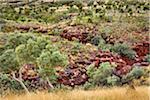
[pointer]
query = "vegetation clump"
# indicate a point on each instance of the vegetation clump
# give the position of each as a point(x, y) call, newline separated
point(124, 50)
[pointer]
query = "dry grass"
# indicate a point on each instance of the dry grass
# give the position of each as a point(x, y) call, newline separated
point(141, 93)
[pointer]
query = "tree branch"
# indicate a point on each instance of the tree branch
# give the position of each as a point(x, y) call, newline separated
point(20, 80)
point(49, 83)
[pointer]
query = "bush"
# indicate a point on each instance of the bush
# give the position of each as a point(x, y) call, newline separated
point(101, 43)
point(7, 83)
point(91, 70)
point(8, 61)
point(113, 80)
point(31, 50)
point(48, 72)
point(88, 85)
point(95, 40)
point(54, 59)
point(124, 50)
point(15, 39)
point(22, 54)
point(103, 72)
point(2, 49)
point(47, 61)
point(99, 76)
point(135, 73)
point(103, 46)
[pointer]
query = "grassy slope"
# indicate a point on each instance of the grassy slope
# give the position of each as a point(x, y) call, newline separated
point(141, 93)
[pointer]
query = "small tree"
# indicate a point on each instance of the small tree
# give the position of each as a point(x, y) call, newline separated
point(9, 64)
point(47, 61)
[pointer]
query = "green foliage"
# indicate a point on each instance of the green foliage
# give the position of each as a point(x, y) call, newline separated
point(55, 32)
point(124, 50)
point(135, 73)
point(52, 59)
point(16, 39)
point(48, 72)
point(95, 40)
point(105, 70)
point(91, 70)
point(73, 9)
point(113, 80)
point(42, 42)
point(27, 48)
point(31, 50)
point(2, 49)
point(111, 16)
point(49, 59)
point(44, 59)
point(99, 75)
point(103, 46)
point(51, 48)
point(58, 59)
point(8, 84)
point(35, 50)
point(46, 12)
point(8, 61)
point(88, 85)
point(22, 54)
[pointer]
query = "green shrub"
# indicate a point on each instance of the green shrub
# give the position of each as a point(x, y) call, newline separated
point(88, 85)
point(113, 80)
point(135, 73)
point(28, 48)
point(54, 59)
point(91, 70)
point(103, 46)
point(47, 61)
point(31, 50)
point(73, 9)
point(95, 40)
point(15, 39)
point(48, 72)
point(8, 61)
point(124, 50)
point(99, 76)
point(8, 84)
point(22, 54)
